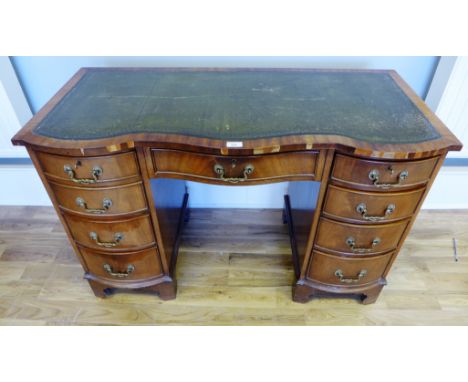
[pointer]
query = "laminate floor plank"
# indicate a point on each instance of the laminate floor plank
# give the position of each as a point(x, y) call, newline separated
point(234, 268)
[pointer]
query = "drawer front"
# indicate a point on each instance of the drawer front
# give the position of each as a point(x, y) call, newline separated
point(128, 234)
point(382, 175)
point(358, 239)
point(346, 271)
point(230, 169)
point(103, 201)
point(89, 171)
point(370, 207)
point(125, 266)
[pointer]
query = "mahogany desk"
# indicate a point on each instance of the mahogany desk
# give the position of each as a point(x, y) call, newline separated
point(114, 147)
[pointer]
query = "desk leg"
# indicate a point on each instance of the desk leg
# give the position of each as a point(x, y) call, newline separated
point(183, 218)
point(99, 290)
point(370, 296)
point(170, 202)
point(303, 292)
point(288, 219)
point(298, 213)
point(165, 290)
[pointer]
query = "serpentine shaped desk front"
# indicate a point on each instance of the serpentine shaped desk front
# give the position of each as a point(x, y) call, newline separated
point(114, 146)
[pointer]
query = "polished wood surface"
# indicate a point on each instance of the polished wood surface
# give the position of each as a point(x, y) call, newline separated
point(346, 271)
point(142, 229)
point(273, 167)
point(165, 199)
point(137, 232)
point(354, 172)
point(341, 203)
point(118, 167)
point(333, 236)
point(240, 281)
point(124, 200)
point(144, 264)
point(145, 208)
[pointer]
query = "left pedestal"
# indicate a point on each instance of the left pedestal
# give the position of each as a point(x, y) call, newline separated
point(105, 209)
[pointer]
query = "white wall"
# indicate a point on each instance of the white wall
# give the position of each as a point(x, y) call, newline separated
point(452, 107)
point(14, 110)
point(20, 185)
point(449, 189)
point(261, 196)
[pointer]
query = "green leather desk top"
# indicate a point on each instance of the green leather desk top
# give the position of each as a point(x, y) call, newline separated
point(237, 105)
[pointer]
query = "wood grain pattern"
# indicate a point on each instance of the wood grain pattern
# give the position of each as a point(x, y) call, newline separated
point(137, 232)
point(333, 235)
point(125, 199)
point(145, 264)
point(154, 216)
point(340, 237)
point(425, 287)
point(128, 230)
point(323, 269)
point(341, 203)
point(118, 167)
point(266, 168)
point(354, 172)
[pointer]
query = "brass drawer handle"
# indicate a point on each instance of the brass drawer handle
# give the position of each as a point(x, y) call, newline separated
point(351, 242)
point(350, 280)
point(109, 270)
point(219, 169)
point(374, 175)
point(362, 209)
point(106, 204)
point(118, 237)
point(96, 173)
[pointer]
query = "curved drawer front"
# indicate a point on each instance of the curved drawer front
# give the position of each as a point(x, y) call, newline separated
point(346, 271)
point(382, 175)
point(358, 239)
point(120, 235)
point(103, 201)
point(370, 207)
point(89, 171)
point(128, 266)
point(231, 169)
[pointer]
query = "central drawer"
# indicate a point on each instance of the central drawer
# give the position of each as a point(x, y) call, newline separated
point(235, 169)
point(358, 239)
point(115, 235)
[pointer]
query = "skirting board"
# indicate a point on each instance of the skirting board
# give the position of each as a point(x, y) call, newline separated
point(20, 185)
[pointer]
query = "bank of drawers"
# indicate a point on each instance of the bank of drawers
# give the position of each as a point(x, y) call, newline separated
point(366, 211)
point(104, 205)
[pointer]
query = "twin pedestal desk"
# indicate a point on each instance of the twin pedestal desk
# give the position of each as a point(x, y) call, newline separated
point(114, 148)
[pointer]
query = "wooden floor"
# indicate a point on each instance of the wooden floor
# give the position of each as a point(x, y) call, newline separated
point(234, 268)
